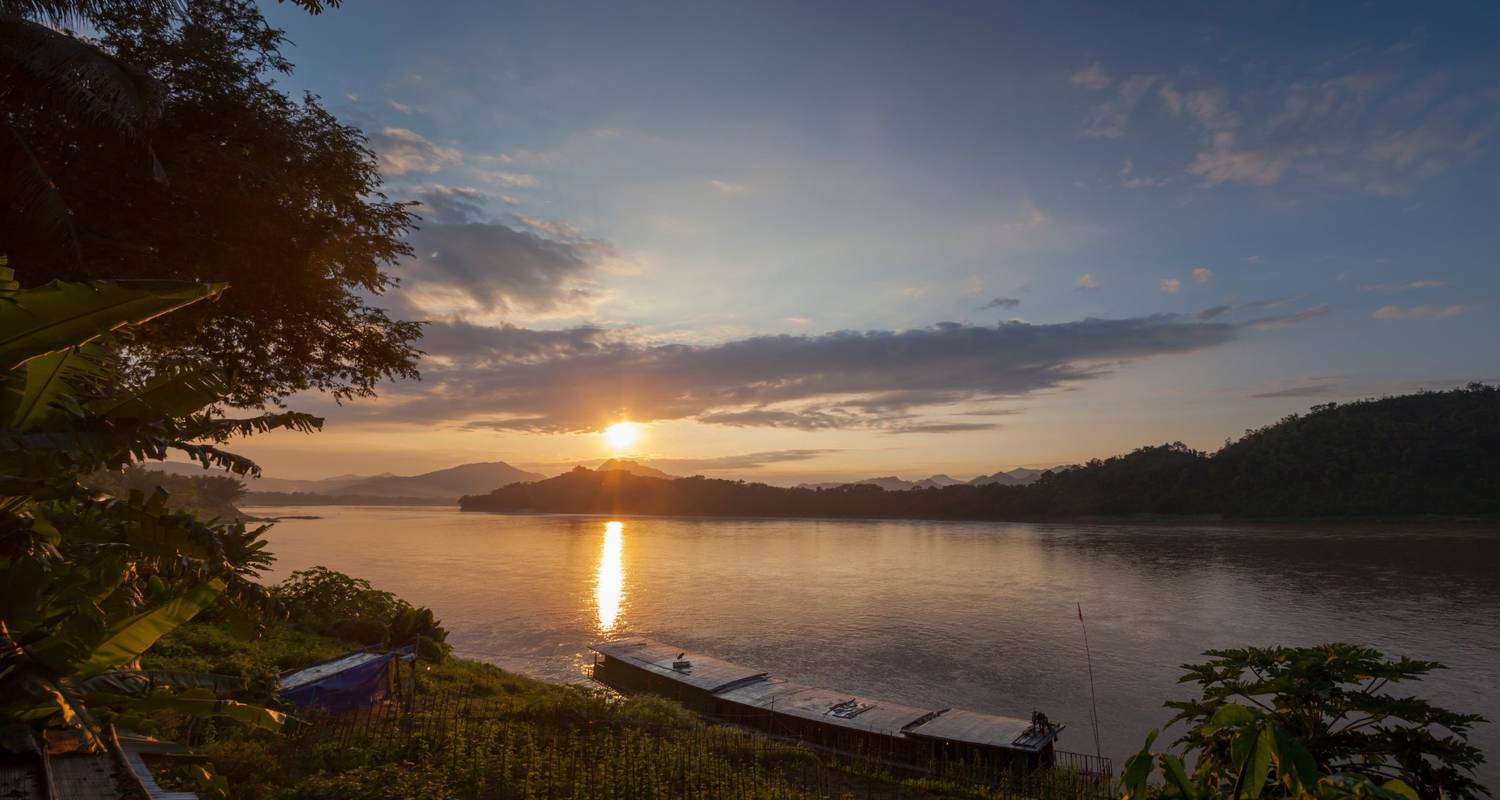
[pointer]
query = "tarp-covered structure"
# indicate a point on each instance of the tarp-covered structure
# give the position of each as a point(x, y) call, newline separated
point(354, 680)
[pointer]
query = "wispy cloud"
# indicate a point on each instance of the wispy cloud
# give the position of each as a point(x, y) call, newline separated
point(1319, 386)
point(1087, 281)
point(1130, 180)
point(1368, 130)
point(398, 106)
point(1419, 312)
point(1288, 320)
point(1202, 275)
point(401, 151)
point(1001, 302)
point(1092, 77)
point(1399, 287)
point(728, 187)
point(1109, 120)
point(509, 180)
point(1171, 285)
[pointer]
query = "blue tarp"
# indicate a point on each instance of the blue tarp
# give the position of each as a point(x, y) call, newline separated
point(352, 681)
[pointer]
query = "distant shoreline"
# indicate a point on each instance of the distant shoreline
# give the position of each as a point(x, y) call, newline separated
point(1185, 520)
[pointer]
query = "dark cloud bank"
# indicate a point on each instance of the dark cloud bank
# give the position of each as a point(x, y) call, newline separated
point(581, 378)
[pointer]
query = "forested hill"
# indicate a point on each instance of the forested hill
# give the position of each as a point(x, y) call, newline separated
point(1428, 453)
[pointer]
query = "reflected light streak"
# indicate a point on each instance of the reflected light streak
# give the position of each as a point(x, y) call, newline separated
point(609, 587)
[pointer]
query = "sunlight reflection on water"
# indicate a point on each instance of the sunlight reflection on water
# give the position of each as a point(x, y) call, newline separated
point(609, 586)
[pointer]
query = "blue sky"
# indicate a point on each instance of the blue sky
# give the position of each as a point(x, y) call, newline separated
point(829, 240)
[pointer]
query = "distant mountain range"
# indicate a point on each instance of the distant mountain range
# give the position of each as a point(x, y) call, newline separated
point(444, 484)
point(447, 485)
point(1020, 476)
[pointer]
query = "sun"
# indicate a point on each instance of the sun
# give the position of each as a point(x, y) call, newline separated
point(622, 435)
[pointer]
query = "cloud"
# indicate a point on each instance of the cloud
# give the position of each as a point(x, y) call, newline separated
point(447, 204)
point(557, 230)
point(1253, 259)
point(401, 107)
point(1202, 275)
point(1360, 130)
point(1313, 387)
point(1287, 320)
point(400, 151)
point(1087, 281)
point(945, 427)
point(1130, 180)
point(576, 380)
point(743, 461)
point(1092, 77)
point(725, 187)
point(508, 180)
point(1371, 130)
point(1171, 285)
point(1419, 312)
point(1398, 287)
point(1213, 312)
point(1001, 302)
point(464, 265)
point(1109, 119)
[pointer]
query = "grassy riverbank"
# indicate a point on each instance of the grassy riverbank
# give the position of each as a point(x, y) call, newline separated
point(481, 732)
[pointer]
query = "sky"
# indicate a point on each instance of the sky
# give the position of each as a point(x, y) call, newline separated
point(818, 241)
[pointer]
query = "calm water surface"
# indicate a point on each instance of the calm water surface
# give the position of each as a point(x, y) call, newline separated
point(973, 615)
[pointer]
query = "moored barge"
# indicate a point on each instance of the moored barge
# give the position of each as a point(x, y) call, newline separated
point(823, 717)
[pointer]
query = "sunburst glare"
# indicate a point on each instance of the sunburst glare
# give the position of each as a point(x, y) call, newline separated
point(622, 435)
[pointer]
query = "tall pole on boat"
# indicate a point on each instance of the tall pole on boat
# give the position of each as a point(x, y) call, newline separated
point(1093, 699)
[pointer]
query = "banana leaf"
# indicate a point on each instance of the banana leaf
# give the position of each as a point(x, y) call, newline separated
point(49, 385)
point(139, 683)
point(58, 315)
point(257, 716)
point(130, 637)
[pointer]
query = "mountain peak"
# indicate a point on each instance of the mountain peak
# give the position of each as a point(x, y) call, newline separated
point(632, 467)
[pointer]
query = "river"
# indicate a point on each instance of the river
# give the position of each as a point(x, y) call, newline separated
point(974, 615)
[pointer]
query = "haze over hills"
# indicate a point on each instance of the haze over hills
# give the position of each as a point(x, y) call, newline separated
point(478, 478)
point(632, 467)
point(1020, 476)
point(444, 484)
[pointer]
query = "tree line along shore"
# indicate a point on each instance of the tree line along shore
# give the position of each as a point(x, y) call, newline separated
point(1430, 453)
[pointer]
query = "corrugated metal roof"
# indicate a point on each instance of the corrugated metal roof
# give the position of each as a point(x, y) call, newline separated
point(318, 672)
point(983, 729)
point(707, 673)
point(826, 706)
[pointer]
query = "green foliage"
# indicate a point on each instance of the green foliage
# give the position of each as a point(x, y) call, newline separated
point(333, 604)
point(1310, 722)
point(89, 582)
point(115, 152)
point(212, 495)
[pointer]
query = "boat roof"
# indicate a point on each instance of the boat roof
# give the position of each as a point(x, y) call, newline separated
point(710, 674)
point(988, 730)
point(318, 672)
point(827, 706)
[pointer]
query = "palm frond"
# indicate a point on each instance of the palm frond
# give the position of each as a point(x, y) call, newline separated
point(55, 66)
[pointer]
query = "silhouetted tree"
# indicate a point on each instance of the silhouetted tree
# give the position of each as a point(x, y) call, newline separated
point(165, 150)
